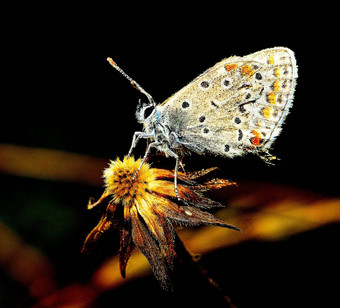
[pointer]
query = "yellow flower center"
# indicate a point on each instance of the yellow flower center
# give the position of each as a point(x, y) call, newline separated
point(120, 181)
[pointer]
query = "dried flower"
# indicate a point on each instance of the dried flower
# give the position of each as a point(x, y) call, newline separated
point(145, 210)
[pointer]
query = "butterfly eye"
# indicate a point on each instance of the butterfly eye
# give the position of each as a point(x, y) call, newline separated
point(143, 111)
point(147, 111)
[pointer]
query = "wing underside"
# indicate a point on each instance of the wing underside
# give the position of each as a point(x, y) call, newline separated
point(236, 106)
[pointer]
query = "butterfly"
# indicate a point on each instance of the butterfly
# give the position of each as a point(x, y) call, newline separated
point(236, 107)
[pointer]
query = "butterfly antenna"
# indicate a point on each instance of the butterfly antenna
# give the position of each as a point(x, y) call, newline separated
point(133, 83)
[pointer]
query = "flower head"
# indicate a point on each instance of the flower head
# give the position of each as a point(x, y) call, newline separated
point(145, 209)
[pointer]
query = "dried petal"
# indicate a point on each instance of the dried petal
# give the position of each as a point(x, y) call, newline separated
point(195, 198)
point(91, 205)
point(148, 246)
point(218, 184)
point(162, 173)
point(126, 246)
point(158, 225)
point(195, 174)
point(198, 217)
point(106, 222)
point(186, 193)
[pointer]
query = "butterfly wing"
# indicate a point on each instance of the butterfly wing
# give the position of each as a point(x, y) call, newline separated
point(236, 106)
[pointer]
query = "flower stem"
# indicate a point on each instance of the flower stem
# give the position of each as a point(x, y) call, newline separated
point(185, 257)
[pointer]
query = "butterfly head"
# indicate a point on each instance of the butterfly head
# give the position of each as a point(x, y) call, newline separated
point(144, 111)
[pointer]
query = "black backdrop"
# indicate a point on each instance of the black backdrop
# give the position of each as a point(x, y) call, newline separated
point(65, 95)
point(61, 93)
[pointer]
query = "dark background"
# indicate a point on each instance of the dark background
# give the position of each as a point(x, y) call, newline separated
point(61, 93)
point(65, 95)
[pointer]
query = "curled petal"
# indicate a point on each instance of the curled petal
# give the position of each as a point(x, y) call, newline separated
point(92, 204)
point(95, 234)
point(106, 222)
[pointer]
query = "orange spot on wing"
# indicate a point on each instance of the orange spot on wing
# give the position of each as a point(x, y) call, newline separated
point(267, 112)
point(246, 70)
point(256, 133)
point(271, 60)
point(257, 139)
point(276, 86)
point(272, 98)
point(230, 67)
point(277, 72)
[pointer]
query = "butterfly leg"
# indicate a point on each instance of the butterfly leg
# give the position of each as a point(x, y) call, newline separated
point(174, 142)
point(135, 139)
point(174, 155)
point(268, 158)
point(151, 145)
point(175, 177)
point(181, 163)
